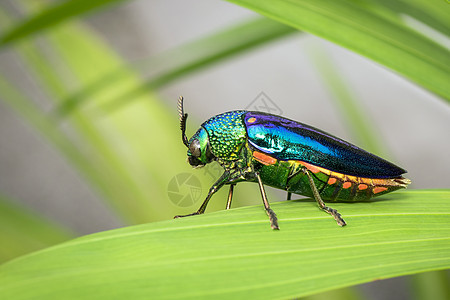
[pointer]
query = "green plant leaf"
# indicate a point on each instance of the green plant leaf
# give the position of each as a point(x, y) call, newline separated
point(129, 156)
point(51, 16)
point(350, 109)
point(182, 61)
point(235, 255)
point(22, 231)
point(434, 13)
point(431, 285)
point(364, 30)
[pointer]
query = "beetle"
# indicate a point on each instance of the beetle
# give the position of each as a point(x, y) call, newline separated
point(288, 155)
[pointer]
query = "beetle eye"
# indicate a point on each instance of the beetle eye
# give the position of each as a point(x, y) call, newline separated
point(194, 148)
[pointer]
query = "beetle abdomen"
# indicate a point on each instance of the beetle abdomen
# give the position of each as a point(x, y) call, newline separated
point(332, 186)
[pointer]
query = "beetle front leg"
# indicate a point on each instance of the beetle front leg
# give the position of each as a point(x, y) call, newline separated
point(230, 195)
point(272, 216)
point(215, 187)
point(331, 211)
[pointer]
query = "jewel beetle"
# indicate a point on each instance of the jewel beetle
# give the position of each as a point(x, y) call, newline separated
point(288, 155)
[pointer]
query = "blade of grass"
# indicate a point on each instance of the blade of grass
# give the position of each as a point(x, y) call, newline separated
point(112, 175)
point(22, 231)
point(29, 112)
point(431, 285)
point(130, 156)
point(96, 159)
point(95, 175)
point(51, 16)
point(350, 109)
point(62, 59)
point(184, 60)
point(434, 13)
point(92, 157)
point(363, 30)
point(235, 255)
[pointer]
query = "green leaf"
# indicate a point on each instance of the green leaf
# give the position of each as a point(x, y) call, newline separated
point(97, 149)
point(235, 255)
point(50, 17)
point(22, 231)
point(351, 110)
point(182, 61)
point(431, 285)
point(364, 30)
point(130, 156)
point(434, 13)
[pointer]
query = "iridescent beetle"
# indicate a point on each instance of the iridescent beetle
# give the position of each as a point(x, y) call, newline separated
point(288, 155)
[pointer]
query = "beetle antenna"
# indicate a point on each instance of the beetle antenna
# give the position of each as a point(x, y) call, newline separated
point(183, 118)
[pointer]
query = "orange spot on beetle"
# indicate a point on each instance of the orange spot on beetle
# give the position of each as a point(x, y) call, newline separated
point(346, 185)
point(251, 120)
point(264, 158)
point(331, 180)
point(379, 189)
point(362, 186)
point(310, 167)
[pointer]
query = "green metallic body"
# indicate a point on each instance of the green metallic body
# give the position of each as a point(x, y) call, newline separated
point(235, 155)
point(287, 155)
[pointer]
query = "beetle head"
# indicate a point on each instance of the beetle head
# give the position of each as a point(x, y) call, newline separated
point(199, 150)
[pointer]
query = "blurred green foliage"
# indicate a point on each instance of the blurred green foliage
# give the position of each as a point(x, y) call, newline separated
point(114, 149)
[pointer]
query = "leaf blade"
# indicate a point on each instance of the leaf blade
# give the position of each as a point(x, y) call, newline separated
point(365, 31)
point(23, 232)
point(240, 256)
point(182, 61)
point(53, 15)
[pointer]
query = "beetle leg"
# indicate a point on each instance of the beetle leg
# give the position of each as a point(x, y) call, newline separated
point(216, 186)
point(272, 216)
point(331, 211)
point(230, 195)
point(289, 195)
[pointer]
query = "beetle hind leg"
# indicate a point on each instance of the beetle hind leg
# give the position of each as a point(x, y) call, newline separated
point(336, 215)
point(289, 196)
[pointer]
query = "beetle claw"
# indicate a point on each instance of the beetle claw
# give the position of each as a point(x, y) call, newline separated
point(273, 219)
point(336, 215)
point(182, 216)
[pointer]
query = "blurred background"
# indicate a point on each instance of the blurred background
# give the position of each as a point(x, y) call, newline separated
point(89, 133)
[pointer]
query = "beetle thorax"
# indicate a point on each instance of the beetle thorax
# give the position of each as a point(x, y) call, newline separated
point(226, 134)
